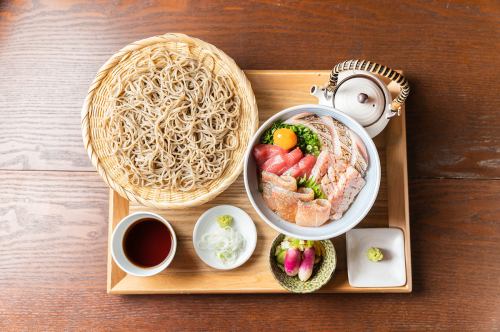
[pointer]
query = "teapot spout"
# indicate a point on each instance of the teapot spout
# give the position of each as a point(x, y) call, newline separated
point(321, 94)
point(316, 91)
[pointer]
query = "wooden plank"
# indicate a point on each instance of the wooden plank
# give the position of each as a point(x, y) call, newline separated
point(53, 243)
point(274, 91)
point(118, 209)
point(49, 55)
point(53, 230)
point(397, 181)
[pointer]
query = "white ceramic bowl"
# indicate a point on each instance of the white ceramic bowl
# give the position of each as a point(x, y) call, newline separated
point(358, 209)
point(117, 246)
point(241, 223)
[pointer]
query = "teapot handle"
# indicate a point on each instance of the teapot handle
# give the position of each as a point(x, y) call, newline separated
point(374, 68)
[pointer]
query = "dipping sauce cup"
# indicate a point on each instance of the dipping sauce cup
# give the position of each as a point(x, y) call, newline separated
point(143, 244)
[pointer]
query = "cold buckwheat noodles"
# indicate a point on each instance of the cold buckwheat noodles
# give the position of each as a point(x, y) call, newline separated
point(173, 121)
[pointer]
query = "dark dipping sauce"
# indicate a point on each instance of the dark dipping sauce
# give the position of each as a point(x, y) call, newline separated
point(147, 242)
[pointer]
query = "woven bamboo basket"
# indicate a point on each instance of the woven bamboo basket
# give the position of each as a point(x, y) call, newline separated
point(99, 99)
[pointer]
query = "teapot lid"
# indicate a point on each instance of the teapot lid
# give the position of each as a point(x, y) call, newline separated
point(361, 97)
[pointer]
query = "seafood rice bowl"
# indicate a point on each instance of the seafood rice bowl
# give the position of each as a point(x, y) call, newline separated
point(312, 172)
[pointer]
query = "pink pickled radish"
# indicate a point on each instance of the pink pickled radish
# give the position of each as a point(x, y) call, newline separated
point(306, 267)
point(292, 261)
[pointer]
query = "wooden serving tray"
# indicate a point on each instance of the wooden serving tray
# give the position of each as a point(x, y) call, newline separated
point(274, 90)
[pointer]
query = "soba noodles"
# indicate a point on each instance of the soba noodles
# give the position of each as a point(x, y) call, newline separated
point(173, 122)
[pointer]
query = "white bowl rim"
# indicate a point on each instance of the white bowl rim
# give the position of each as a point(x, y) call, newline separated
point(365, 137)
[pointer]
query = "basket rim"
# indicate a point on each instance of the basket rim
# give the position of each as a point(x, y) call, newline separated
point(124, 53)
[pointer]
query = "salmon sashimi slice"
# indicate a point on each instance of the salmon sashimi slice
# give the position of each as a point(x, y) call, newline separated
point(280, 163)
point(303, 167)
point(321, 165)
point(263, 152)
point(339, 166)
point(313, 214)
point(346, 145)
point(285, 181)
point(330, 179)
point(328, 183)
point(284, 202)
point(344, 192)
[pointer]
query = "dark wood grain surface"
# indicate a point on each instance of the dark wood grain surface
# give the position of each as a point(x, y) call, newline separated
point(53, 206)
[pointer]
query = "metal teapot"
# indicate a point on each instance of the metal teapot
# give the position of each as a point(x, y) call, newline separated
point(354, 89)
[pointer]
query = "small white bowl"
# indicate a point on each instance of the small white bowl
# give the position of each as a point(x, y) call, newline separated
point(241, 223)
point(117, 246)
point(358, 209)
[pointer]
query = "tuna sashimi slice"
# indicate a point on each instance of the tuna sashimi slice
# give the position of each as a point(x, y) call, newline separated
point(280, 163)
point(313, 214)
point(263, 152)
point(285, 181)
point(303, 167)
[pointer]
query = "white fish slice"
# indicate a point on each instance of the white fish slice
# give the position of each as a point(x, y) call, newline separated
point(346, 145)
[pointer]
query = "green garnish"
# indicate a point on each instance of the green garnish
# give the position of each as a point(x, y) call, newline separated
point(310, 183)
point(225, 221)
point(268, 136)
point(281, 257)
point(294, 243)
point(374, 254)
point(290, 242)
point(307, 140)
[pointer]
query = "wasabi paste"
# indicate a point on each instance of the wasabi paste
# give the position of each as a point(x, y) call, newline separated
point(225, 221)
point(375, 254)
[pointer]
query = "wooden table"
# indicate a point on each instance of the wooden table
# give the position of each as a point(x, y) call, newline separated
point(53, 206)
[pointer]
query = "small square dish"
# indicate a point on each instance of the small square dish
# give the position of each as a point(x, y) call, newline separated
point(389, 272)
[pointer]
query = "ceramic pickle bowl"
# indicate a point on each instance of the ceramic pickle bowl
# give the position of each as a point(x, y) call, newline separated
point(322, 272)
